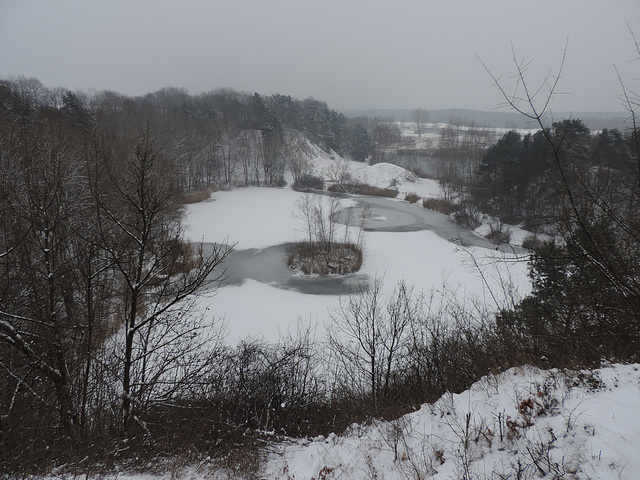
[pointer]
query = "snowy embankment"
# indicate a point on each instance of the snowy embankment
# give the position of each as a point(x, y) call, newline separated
point(256, 218)
point(523, 423)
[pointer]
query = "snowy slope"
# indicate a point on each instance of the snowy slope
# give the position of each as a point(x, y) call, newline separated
point(382, 175)
point(523, 423)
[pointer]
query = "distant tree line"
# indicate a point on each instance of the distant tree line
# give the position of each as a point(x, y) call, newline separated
point(583, 190)
point(219, 137)
point(518, 178)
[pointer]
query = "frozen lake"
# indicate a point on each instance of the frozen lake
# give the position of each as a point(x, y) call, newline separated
point(403, 242)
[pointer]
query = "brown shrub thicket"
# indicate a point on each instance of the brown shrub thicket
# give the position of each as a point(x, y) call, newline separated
point(362, 189)
point(439, 205)
point(196, 197)
point(316, 259)
point(412, 197)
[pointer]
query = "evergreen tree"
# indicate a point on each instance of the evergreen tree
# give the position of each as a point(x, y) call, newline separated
point(74, 111)
point(359, 143)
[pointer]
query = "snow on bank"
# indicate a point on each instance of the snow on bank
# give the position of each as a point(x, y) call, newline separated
point(387, 175)
point(516, 234)
point(523, 423)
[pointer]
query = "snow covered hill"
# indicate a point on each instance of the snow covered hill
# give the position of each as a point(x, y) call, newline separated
point(524, 423)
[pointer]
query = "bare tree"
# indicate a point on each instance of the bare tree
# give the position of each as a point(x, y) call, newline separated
point(420, 116)
point(339, 173)
point(367, 334)
point(141, 231)
point(39, 315)
point(248, 151)
point(31, 90)
point(273, 157)
point(631, 100)
point(297, 154)
point(227, 145)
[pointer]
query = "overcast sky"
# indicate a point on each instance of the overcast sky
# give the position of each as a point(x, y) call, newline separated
point(353, 54)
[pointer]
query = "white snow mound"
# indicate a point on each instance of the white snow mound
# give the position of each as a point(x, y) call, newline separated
point(384, 175)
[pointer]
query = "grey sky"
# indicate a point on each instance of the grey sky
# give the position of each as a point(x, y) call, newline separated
point(349, 53)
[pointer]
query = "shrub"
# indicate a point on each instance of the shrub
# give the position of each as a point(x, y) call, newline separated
point(196, 197)
point(530, 242)
point(439, 205)
point(498, 233)
point(307, 181)
point(314, 258)
point(363, 189)
point(412, 197)
point(279, 182)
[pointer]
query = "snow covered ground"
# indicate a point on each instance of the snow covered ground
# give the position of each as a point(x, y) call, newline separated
point(521, 424)
point(433, 132)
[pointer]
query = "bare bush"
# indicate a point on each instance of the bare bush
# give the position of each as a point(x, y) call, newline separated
point(363, 189)
point(308, 182)
point(439, 205)
point(196, 197)
point(367, 335)
point(314, 259)
point(412, 197)
point(531, 242)
point(324, 250)
point(468, 215)
point(498, 232)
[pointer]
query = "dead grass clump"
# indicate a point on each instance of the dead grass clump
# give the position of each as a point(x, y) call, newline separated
point(439, 205)
point(308, 182)
point(412, 197)
point(196, 197)
point(363, 189)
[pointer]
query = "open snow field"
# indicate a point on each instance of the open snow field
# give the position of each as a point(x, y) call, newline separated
point(267, 299)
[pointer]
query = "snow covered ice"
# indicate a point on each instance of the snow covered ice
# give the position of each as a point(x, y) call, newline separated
point(262, 217)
